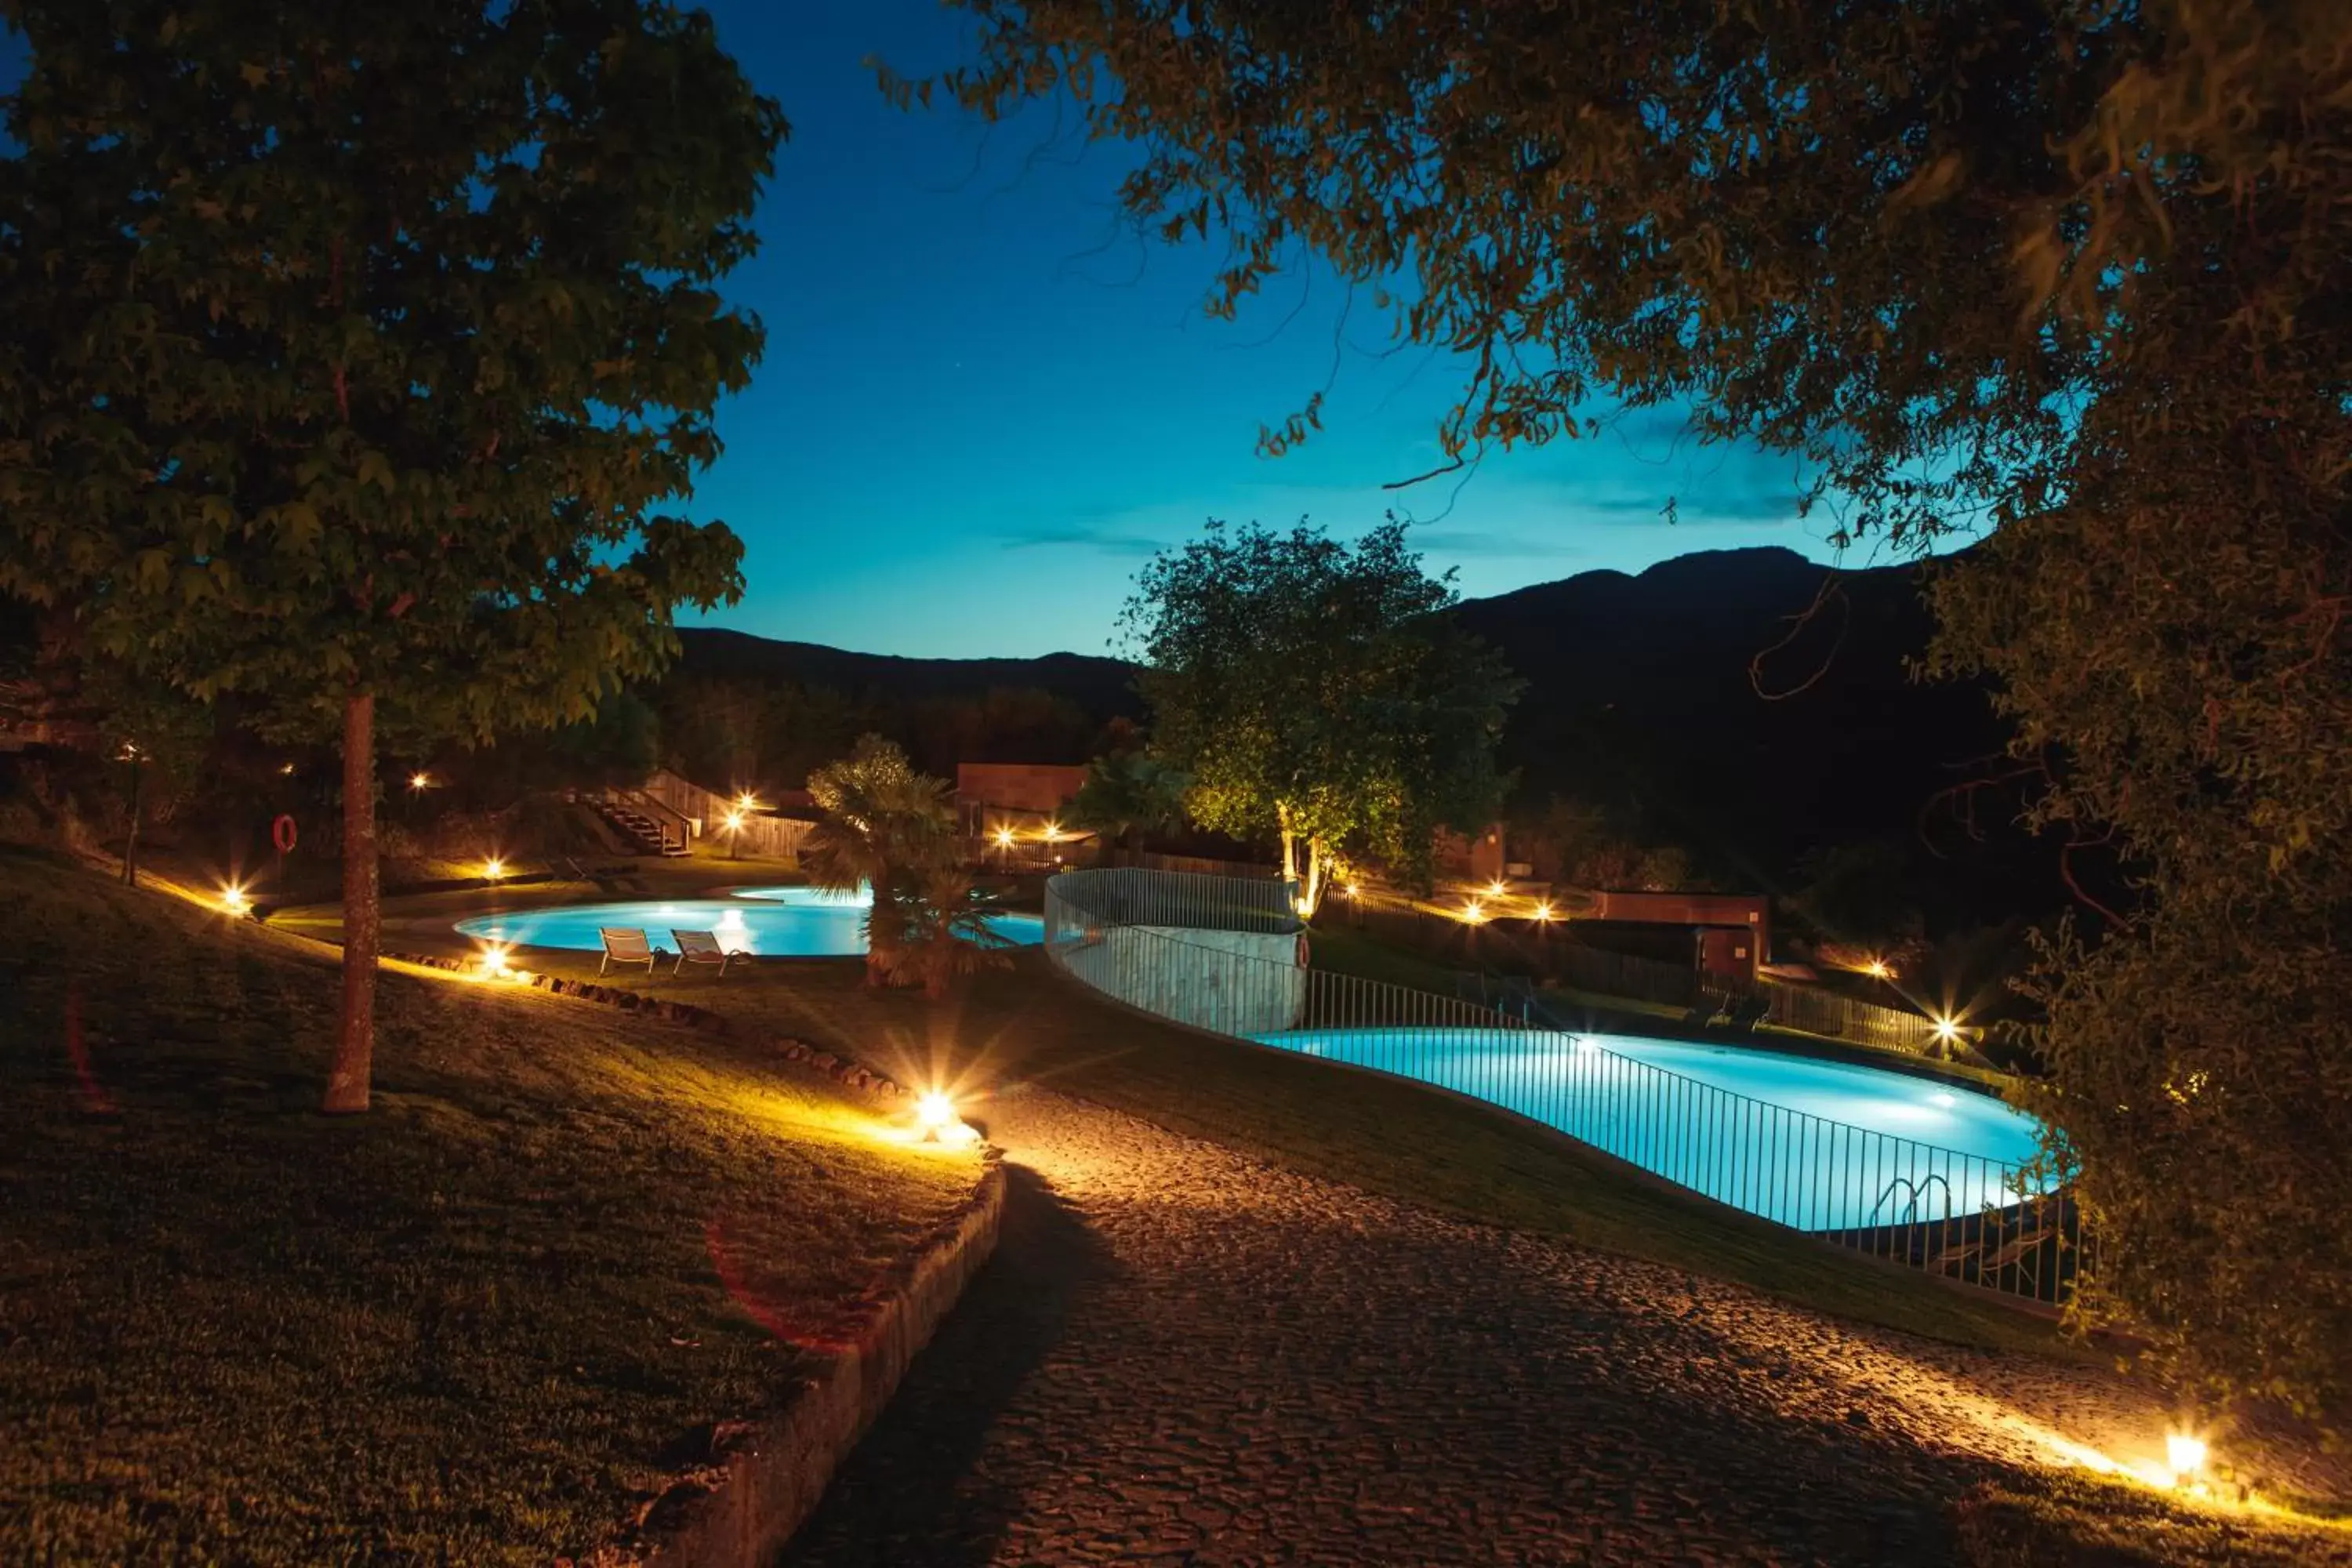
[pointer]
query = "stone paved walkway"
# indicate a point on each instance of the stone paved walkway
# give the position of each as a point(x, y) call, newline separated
point(1179, 1355)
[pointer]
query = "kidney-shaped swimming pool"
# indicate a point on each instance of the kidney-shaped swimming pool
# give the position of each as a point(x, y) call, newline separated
point(1820, 1145)
point(790, 922)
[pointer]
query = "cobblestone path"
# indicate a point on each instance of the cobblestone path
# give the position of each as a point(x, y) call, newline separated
point(1179, 1355)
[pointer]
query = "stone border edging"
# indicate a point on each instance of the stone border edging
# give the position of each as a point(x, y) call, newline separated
point(847, 1073)
point(770, 1475)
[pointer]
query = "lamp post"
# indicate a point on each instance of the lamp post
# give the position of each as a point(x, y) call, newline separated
point(131, 757)
point(735, 835)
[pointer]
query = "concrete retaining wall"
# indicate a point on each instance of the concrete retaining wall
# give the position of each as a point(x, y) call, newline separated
point(1235, 982)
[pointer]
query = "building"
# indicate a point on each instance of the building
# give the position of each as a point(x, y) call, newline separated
point(1024, 796)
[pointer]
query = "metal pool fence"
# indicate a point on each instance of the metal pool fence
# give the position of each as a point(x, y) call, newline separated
point(1222, 955)
point(1554, 953)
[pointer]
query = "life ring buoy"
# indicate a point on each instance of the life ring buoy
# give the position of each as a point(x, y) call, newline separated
point(281, 833)
point(1302, 951)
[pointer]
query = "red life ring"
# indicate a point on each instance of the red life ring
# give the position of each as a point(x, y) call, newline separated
point(1302, 951)
point(281, 833)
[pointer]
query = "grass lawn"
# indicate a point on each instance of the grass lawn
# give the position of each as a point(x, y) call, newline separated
point(1380, 1134)
point(483, 1323)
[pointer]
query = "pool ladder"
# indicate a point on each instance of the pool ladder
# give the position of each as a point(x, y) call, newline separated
point(1918, 1189)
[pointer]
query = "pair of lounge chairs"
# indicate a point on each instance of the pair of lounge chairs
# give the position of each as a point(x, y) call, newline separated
point(626, 944)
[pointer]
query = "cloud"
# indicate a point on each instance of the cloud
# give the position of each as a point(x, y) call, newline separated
point(1106, 537)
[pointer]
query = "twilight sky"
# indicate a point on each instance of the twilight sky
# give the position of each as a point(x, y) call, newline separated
point(985, 401)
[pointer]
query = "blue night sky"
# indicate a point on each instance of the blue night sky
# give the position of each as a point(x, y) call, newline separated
point(985, 401)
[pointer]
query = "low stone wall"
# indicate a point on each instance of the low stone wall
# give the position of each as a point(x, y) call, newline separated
point(741, 1511)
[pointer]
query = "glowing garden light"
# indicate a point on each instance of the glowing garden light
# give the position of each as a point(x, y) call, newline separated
point(1877, 969)
point(419, 782)
point(1498, 887)
point(234, 899)
point(934, 1110)
point(747, 801)
point(494, 961)
point(2184, 1455)
point(1053, 832)
point(1349, 889)
point(1947, 1029)
point(1473, 912)
point(494, 868)
point(1543, 908)
point(1005, 838)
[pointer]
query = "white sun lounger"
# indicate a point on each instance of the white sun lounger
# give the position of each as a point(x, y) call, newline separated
point(701, 947)
point(625, 945)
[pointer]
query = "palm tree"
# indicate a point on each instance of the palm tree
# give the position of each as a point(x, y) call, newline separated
point(885, 828)
point(944, 935)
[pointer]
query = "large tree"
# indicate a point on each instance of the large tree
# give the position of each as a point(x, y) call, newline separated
point(2068, 269)
point(1315, 693)
point(350, 357)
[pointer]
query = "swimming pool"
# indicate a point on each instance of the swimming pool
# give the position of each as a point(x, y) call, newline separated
point(790, 922)
point(1819, 1145)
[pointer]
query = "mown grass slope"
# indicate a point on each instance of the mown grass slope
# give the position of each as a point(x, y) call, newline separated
point(483, 1323)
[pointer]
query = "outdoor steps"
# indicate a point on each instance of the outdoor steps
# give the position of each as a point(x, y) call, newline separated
point(640, 830)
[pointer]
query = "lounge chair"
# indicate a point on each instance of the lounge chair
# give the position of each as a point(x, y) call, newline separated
point(701, 947)
point(1707, 1008)
point(625, 945)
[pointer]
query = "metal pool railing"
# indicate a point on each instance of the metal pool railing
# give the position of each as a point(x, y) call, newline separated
point(1160, 941)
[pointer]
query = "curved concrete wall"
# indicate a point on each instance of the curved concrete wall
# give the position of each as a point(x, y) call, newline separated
point(1235, 982)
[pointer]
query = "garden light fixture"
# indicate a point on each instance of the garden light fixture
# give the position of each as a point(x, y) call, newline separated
point(494, 868)
point(233, 898)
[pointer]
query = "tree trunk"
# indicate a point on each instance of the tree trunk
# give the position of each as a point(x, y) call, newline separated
point(1310, 890)
point(347, 1082)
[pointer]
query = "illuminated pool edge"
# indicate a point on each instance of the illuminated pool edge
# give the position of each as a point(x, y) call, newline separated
point(762, 928)
point(1788, 1163)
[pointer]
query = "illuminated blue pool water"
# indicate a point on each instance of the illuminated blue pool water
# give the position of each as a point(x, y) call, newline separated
point(770, 922)
point(1821, 1145)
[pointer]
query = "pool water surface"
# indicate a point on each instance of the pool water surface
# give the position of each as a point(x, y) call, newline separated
point(1818, 1144)
point(768, 922)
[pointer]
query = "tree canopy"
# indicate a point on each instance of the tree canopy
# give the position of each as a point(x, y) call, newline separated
point(1313, 692)
point(353, 358)
point(2068, 271)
